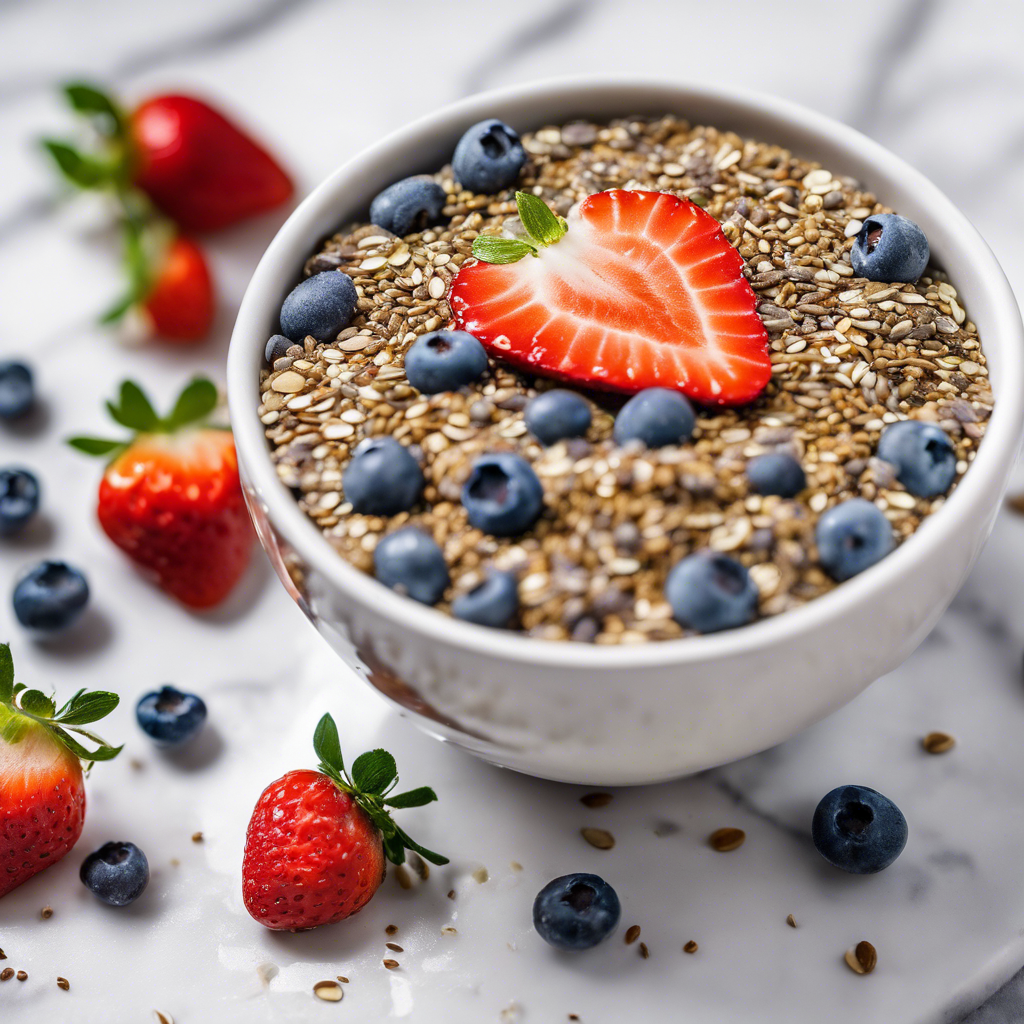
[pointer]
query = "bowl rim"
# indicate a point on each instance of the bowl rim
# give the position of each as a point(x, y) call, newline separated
point(314, 216)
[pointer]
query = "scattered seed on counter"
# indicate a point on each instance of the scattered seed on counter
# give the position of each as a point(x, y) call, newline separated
point(938, 743)
point(163, 1018)
point(451, 894)
point(6, 974)
point(46, 913)
point(791, 920)
point(328, 991)
point(403, 877)
point(480, 875)
point(3, 955)
point(599, 838)
point(197, 837)
point(449, 930)
point(862, 958)
point(596, 799)
point(644, 951)
point(392, 929)
point(632, 934)
point(515, 865)
point(22, 975)
point(724, 840)
point(391, 964)
point(691, 947)
point(394, 947)
point(63, 983)
point(343, 979)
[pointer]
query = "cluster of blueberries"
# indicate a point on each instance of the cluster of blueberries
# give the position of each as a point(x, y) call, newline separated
point(855, 829)
point(52, 595)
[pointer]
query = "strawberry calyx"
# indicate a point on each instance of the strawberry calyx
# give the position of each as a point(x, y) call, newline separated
point(134, 411)
point(21, 709)
point(541, 227)
point(371, 784)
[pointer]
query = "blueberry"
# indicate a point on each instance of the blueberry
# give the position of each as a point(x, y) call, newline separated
point(322, 305)
point(709, 592)
point(858, 830)
point(491, 603)
point(923, 455)
point(19, 499)
point(889, 247)
point(444, 361)
point(116, 873)
point(50, 597)
point(17, 393)
point(502, 495)
point(488, 157)
point(277, 348)
point(576, 911)
point(851, 537)
point(556, 415)
point(409, 205)
point(382, 478)
point(776, 473)
point(657, 417)
point(411, 562)
point(170, 717)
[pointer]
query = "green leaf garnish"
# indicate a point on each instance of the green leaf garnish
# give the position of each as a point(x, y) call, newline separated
point(35, 702)
point(6, 674)
point(135, 411)
point(84, 707)
point(87, 99)
point(196, 402)
point(492, 249)
point(540, 222)
point(374, 775)
point(79, 168)
point(95, 445)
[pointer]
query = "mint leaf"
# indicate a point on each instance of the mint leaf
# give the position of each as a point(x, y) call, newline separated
point(84, 708)
point(196, 402)
point(374, 771)
point(87, 99)
point(79, 168)
point(327, 745)
point(493, 249)
point(95, 445)
point(414, 798)
point(540, 222)
point(35, 702)
point(135, 411)
point(6, 674)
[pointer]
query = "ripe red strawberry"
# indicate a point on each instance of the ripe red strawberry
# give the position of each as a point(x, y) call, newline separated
point(171, 498)
point(42, 797)
point(317, 841)
point(636, 290)
point(180, 302)
point(198, 167)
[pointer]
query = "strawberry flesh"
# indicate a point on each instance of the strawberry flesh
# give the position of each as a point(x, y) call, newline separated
point(181, 303)
point(644, 290)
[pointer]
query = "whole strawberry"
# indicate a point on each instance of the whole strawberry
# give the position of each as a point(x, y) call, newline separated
point(171, 497)
point(317, 841)
point(42, 797)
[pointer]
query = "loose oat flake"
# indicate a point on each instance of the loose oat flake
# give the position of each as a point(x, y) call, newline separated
point(598, 837)
point(725, 840)
point(328, 991)
point(862, 958)
point(938, 742)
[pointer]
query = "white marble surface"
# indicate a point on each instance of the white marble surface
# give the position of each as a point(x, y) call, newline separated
point(936, 81)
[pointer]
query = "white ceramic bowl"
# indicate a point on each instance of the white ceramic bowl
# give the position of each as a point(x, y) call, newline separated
point(631, 714)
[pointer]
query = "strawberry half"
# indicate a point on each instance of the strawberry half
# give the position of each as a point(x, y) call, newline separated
point(171, 498)
point(42, 796)
point(635, 290)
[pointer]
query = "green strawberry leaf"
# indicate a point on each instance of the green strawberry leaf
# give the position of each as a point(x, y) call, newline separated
point(84, 707)
point(135, 411)
point(87, 99)
point(95, 445)
point(434, 858)
point(36, 703)
point(494, 249)
point(327, 745)
point(79, 168)
point(540, 222)
point(6, 674)
point(414, 798)
point(374, 771)
point(101, 753)
point(196, 402)
point(394, 850)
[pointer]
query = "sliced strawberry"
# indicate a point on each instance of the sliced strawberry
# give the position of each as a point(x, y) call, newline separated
point(642, 291)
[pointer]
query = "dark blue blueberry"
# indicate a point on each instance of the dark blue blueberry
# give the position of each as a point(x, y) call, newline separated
point(502, 495)
point(17, 393)
point(170, 717)
point(889, 247)
point(851, 537)
point(858, 830)
point(923, 455)
point(50, 597)
point(19, 499)
point(709, 592)
point(411, 562)
point(488, 157)
point(322, 306)
point(557, 415)
point(382, 478)
point(444, 361)
point(576, 912)
point(776, 473)
point(491, 603)
point(277, 348)
point(409, 205)
point(657, 417)
point(116, 873)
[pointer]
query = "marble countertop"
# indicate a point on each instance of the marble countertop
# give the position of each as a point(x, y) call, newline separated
point(938, 82)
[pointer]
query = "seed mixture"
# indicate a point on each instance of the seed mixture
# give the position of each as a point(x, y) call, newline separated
point(849, 356)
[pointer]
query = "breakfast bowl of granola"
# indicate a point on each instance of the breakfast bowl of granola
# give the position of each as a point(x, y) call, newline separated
point(618, 429)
